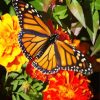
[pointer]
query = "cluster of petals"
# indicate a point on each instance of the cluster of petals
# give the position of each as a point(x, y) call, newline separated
point(67, 85)
point(11, 56)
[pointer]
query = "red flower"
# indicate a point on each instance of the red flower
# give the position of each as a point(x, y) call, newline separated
point(34, 73)
point(84, 47)
point(66, 85)
point(62, 34)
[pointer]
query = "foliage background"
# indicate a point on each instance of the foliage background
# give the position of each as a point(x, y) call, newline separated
point(79, 17)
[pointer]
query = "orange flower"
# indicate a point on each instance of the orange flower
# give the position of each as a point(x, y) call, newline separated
point(66, 85)
point(10, 53)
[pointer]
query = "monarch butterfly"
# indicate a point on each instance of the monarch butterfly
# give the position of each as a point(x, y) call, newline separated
point(50, 54)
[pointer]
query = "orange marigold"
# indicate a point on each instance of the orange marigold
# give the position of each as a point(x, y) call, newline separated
point(10, 53)
point(67, 85)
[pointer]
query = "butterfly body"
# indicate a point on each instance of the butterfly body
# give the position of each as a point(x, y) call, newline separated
point(50, 53)
point(50, 41)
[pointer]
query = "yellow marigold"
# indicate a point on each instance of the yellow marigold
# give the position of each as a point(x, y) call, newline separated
point(10, 53)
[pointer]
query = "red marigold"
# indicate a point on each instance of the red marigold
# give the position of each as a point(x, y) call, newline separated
point(66, 85)
point(34, 73)
point(63, 35)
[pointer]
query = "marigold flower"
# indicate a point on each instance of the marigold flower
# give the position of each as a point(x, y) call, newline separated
point(10, 53)
point(66, 85)
point(34, 73)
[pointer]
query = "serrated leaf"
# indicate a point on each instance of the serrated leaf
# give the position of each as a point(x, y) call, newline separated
point(7, 1)
point(76, 10)
point(38, 4)
point(13, 97)
point(24, 96)
point(96, 46)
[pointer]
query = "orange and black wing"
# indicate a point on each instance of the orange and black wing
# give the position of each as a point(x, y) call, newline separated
point(34, 32)
point(59, 56)
point(34, 40)
point(72, 59)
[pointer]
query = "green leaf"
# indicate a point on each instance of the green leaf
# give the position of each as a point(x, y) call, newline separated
point(30, 79)
point(20, 89)
point(21, 77)
point(24, 96)
point(13, 97)
point(20, 82)
point(15, 84)
point(35, 85)
point(12, 11)
point(24, 65)
point(7, 1)
point(58, 20)
point(25, 74)
point(96, 46)
point(0, 12)
point(76, 10)
point(97, 4)
point(95, 24)
point(13, 74)
point(39, 88)
point(92, 5)
point(38, 4)
point(93, 33)
point(17, 97)
point(60, 12)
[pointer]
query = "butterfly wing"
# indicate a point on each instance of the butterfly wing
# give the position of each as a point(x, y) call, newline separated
point(60, 55)
point(72, 58)
point(34, 36)
point(34, 32)
point(47, 63)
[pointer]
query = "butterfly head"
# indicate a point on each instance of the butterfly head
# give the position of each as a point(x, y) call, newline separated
point(53, 38)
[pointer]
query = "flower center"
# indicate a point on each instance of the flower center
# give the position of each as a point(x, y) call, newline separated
point(67, 91)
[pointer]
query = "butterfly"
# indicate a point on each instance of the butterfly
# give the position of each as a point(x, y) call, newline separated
point(37, 42)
